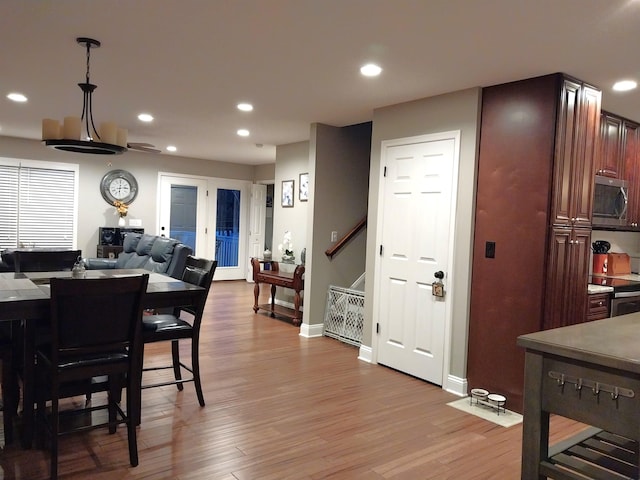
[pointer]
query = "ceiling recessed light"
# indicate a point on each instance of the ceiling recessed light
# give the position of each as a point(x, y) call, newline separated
point(145, 117)
point(370, 70)
point(171, 148)
point(245, 107)
point(17, 97)
point(243, 132)
point(624, 85)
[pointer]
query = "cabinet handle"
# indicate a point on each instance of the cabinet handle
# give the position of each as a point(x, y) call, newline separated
point(600, 303)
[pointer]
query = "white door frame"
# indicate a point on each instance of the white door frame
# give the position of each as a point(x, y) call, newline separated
point(165, 181)
point(224, 273)
point(455, 135)
point(257, 220)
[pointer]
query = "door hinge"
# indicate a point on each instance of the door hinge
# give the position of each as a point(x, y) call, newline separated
point(384, 174)
point(377, 328)
point(381, 249)
point(206, 230)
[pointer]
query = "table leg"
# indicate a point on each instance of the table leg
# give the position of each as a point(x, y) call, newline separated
point(273, 300)
point(296, 304)
point(256, 294)
point(535, 425)
point(28, 379)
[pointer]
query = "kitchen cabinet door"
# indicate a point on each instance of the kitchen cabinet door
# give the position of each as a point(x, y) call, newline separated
point(577, 140)
point(567, 277)
point(631, 158)
point(609, 162)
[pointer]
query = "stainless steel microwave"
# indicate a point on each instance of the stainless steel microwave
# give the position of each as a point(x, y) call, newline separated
point(610, 201)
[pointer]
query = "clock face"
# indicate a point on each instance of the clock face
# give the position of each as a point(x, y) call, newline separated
point(120, 188)
point(119, 185)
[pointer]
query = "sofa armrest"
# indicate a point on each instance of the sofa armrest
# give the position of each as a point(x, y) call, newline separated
point(99, 263)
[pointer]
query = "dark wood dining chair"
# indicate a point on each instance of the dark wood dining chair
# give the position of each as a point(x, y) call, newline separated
point(173, 327)
point(95, 341)
point(45, 260)
point(9, 383)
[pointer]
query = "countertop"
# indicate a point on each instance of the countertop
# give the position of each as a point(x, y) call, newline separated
point(612, 342)
point(618, 283)
point(592, 289)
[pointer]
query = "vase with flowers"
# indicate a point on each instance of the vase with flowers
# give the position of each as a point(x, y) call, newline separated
point(122, 210)
point(286, 248)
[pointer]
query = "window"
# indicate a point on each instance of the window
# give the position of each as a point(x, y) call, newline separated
point(37, 204)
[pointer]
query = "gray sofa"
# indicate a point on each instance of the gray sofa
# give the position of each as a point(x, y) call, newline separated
point(151, 252)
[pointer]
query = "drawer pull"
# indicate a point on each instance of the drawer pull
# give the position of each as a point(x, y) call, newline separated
point(596, 387)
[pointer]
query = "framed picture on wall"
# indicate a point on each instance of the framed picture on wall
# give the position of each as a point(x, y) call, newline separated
point(287, 193)
point(304, 187)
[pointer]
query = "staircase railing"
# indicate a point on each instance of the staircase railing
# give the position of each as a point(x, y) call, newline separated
point(330, 252)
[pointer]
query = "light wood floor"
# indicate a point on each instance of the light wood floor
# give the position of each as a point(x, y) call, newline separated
point(280, 406)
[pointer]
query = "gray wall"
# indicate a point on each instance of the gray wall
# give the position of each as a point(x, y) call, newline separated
point(455, 111)
point(93, 211)
point(339, 160)
point(291, 160)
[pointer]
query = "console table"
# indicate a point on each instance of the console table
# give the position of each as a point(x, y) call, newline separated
point(276, 278)
point(589, 372)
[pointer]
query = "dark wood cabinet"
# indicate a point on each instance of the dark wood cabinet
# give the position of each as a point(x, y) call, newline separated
point(597, 306)
point(631, 158)
point(567, 272)
point(539, 140)
point(577, 137)
point(108, 251)
point(609, 162)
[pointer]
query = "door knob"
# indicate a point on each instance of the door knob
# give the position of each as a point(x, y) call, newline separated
point(439, 274)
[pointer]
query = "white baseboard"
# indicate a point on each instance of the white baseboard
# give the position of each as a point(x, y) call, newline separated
point(365, 354)
point(311, 331)
point(456, 385)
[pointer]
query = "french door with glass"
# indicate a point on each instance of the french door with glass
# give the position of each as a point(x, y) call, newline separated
point(210, 215)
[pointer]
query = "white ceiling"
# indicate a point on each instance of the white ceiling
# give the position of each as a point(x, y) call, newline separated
point(188, 62)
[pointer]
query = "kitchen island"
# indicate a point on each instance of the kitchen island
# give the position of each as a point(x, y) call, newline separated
point(588, 372)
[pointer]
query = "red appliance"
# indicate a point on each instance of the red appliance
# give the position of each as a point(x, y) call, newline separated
point(600, 261)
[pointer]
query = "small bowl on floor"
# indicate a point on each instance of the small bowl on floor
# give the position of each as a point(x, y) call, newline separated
point(497, 399)
point(479, 394)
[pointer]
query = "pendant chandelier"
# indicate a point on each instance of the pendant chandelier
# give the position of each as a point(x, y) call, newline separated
point(107, 140)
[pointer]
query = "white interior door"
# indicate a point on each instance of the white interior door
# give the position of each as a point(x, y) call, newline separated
point(257, 222)
point(183, 211)
point(229, 202)
point(414, 232)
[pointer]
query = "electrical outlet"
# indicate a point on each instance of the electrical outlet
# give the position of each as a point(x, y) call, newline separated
point(334, 236)
point(490, 250)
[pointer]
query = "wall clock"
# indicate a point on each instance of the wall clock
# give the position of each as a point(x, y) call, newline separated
point(119, 185)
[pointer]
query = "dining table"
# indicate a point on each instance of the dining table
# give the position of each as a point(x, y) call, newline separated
point(25, 297)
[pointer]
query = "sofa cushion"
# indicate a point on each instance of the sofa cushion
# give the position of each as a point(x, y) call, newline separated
point(161, 254)
point(130, 242)
point(129, 246)
point(146, 244)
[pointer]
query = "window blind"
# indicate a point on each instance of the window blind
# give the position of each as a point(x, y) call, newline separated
point(36, 207)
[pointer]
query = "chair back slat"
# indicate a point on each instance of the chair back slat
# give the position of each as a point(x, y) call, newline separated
point(96, 315)
point(199, 271)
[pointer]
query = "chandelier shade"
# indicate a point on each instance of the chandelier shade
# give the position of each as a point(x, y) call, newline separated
point(68, 136)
